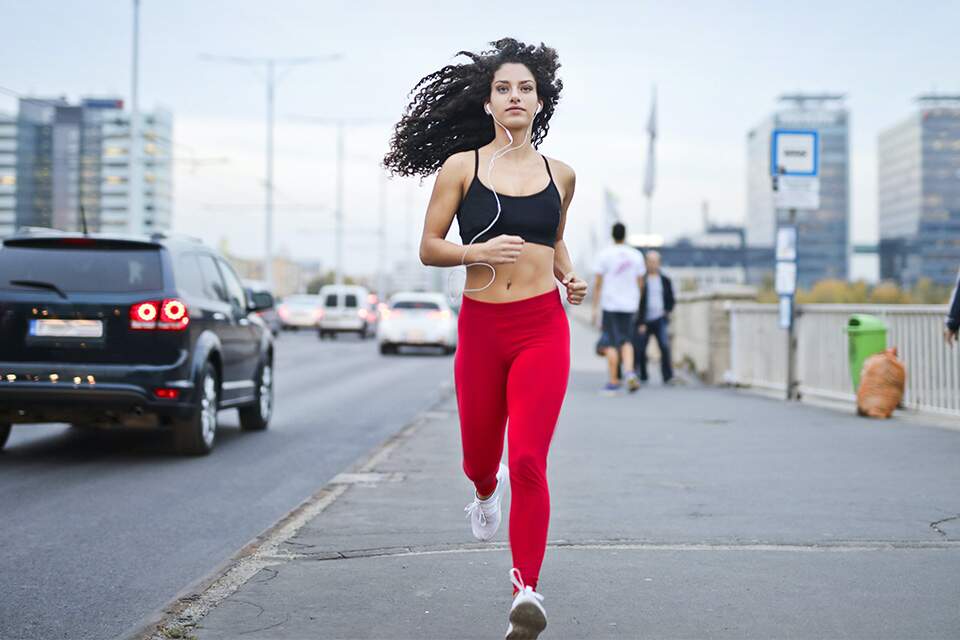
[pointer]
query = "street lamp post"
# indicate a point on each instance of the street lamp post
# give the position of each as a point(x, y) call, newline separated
point(341, 124)
point(270, 65)
point(135, 177)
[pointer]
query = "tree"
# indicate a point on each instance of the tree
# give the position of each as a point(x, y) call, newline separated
point(887, 292)
point(330, 277)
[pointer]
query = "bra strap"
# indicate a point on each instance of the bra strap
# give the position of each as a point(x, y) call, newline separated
point(476, 162)
point(548, 167)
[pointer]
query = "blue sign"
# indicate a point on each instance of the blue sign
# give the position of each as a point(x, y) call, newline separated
point(795, 152)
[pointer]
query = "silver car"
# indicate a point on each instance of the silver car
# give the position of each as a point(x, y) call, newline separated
point(417, 319)
point(301, 311)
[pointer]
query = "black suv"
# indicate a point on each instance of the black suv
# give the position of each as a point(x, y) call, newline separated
point(156, 331)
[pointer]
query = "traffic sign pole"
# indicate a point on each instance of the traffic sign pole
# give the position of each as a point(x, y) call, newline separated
point(794, 171)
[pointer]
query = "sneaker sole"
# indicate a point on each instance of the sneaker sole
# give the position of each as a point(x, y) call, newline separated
point(527, 621)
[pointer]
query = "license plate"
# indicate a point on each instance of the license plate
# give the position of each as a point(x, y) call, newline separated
point(415, 336)
point(50, 328)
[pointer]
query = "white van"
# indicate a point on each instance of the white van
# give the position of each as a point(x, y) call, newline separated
point(346, 309)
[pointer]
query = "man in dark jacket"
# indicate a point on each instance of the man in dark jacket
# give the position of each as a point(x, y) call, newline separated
point(653, 316)
point(953, 316)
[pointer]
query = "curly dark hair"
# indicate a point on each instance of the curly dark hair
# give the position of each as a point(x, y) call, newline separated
point(446, 113)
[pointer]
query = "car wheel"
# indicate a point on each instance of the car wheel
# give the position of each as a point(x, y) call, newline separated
point(449, 350)
point(321, 335)
point(195, 435)
point(4, 433)
point(386, 349)
point(256, 417)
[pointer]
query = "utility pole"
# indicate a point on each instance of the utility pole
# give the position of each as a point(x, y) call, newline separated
point(270, 65)
point(382, 253)
point(338, 216)
point(341, 125)
point(135, 222)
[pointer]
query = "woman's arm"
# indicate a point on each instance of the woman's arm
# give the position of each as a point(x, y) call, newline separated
point(562, 265)
point(435, 250)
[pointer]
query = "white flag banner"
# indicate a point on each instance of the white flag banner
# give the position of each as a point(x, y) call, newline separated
point(649, 177)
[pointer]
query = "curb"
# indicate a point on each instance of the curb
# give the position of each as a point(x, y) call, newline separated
point(179, 617)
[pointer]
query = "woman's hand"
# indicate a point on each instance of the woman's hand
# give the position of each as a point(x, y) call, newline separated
point(503, 249)
point(576, 288)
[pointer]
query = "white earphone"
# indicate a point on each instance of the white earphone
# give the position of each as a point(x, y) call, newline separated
point(486, 107)
point(499, 153)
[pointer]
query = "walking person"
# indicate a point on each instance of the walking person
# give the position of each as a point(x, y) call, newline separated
point(653, 317)
point(479, 123)
point(952, 322)
point(619, 273)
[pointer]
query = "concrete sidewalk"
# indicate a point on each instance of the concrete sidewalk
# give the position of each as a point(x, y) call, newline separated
point(677, 512)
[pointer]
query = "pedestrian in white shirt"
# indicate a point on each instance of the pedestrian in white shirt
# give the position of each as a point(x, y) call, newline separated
point(619, 273)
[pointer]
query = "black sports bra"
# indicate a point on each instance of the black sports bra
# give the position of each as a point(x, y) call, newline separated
point(534, 218)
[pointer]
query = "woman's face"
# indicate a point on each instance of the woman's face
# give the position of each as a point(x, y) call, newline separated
point(513, 94)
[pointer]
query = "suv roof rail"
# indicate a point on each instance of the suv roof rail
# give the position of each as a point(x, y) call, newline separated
point(162, 235)
point(33, 230)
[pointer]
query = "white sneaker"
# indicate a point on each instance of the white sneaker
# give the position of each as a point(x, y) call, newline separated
point(528, 618)
point(484, 515)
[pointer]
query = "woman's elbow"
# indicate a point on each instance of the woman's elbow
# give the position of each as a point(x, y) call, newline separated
point(424, 255)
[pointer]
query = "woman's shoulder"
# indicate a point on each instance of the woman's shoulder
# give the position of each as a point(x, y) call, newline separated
point(563, 174)
point(459, 163)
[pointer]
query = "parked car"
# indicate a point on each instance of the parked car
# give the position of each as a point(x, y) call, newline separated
point(417, 319)
point(347, 309)
point(134, 331)
point(262, 297)
point(300, 311)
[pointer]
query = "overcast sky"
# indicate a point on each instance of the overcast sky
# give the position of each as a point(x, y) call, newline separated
point(718, 67)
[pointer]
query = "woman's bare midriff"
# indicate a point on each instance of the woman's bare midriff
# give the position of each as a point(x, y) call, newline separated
point(531, 275)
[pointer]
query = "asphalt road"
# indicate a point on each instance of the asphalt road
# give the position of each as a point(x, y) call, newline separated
point(102, 529)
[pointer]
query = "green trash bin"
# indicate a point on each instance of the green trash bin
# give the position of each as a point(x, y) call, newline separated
point(867, 335)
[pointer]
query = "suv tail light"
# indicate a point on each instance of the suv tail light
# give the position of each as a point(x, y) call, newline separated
point(443, 314)
point(169, 314)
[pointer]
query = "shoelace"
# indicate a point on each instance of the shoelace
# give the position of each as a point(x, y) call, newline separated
point(517, 581)
point(475, 506)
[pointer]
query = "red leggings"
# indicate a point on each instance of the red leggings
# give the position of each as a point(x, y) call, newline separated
point(513, 360)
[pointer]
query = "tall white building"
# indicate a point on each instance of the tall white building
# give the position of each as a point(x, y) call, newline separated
point(71, 156)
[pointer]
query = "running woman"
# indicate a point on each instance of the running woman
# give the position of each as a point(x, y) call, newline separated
point(479, 123)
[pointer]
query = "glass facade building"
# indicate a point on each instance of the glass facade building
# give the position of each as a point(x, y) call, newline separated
point(72, 156)
point(8, 172)
point(823, 234)
point(919, 194)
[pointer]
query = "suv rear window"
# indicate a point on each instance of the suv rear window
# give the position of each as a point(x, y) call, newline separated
point(416, 304)
point(350, 301)
point(331, 300)
point(81, 269)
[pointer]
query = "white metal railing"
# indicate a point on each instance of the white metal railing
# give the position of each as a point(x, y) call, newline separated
point(758, 348)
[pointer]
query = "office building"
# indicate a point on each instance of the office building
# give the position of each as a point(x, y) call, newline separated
point(919, 194)
point(73, 156)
